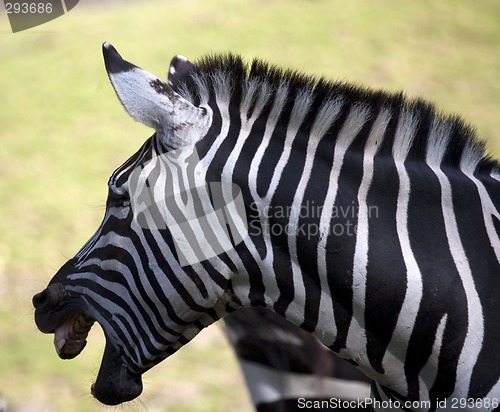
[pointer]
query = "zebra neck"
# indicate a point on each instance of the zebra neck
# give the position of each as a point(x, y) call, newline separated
point(363, 220)
point(365, 292)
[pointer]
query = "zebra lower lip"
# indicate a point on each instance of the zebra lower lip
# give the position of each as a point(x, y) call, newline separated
point(115, 383)
point(71, 336)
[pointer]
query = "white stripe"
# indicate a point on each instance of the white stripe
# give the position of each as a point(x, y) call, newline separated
point(471, 156)
point(356, 337)
point(405, 134)
point(395, 355)
point(358, 115)
point(475, 328)
point(495, 174)
point(438, 141)
point(428, 374)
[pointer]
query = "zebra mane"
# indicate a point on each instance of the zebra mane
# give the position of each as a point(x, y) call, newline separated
point(228, 77)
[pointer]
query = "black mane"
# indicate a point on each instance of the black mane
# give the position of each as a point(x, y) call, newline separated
point(238, 73)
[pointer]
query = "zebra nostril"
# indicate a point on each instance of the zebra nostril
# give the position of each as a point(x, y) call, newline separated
point(50, 297)
point(39, 299)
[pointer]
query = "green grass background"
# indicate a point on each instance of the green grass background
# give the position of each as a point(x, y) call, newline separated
point(62, 132)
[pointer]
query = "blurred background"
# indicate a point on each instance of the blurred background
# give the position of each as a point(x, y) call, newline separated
point(62, 133)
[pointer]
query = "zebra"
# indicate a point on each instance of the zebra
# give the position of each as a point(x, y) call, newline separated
point(286, 369)
point(366, 218)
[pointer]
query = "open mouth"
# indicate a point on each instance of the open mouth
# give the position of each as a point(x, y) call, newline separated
point(71, 336)
point(61, 314)
point(58, 313)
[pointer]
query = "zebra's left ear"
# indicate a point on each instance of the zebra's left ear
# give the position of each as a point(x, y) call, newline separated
point(152, 102)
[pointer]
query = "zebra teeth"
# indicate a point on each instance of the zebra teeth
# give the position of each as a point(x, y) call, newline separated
point(71, 336)
point(59, 344)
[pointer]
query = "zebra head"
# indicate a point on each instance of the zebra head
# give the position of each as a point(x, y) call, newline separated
point(128, 277)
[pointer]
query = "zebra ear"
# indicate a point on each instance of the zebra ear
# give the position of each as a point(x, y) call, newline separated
point(179, 67)
point(152, 102)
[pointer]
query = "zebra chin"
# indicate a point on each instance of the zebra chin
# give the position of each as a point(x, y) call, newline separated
point(115, 384)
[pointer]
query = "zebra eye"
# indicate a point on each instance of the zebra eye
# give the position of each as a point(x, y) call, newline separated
point(118, 198)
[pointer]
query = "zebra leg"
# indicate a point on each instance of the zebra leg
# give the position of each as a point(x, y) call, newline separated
point(287, 369)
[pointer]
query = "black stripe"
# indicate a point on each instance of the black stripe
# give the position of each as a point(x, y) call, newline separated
point(386, 270)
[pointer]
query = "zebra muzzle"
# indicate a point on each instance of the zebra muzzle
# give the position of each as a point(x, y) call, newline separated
point(71, 336)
